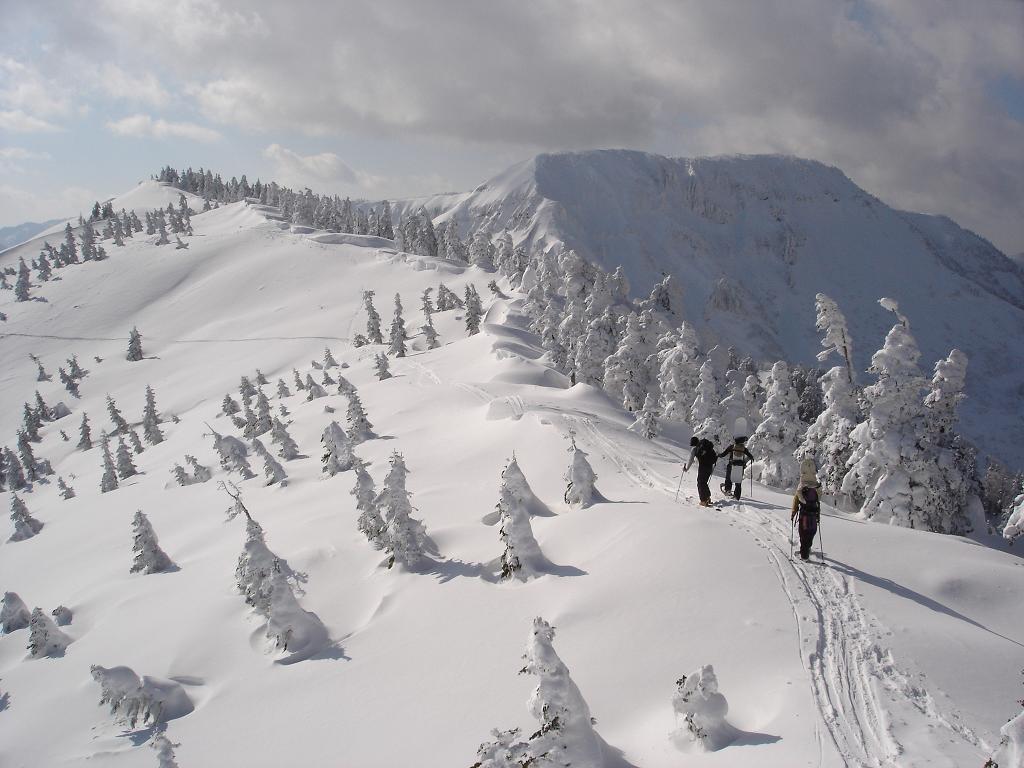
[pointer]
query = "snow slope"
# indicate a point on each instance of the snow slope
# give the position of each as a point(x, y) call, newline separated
point(11, 236)
point(751, 239)
point(903, 650)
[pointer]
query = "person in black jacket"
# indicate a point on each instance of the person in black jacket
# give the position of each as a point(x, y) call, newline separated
point(738, 456)
point(703, 452)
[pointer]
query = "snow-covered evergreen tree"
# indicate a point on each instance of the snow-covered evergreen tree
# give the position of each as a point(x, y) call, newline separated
point(1014, 526)
point(827, 440)
point(108, 482)
point(888, 468)
point(373, 331)
point(14, 614)
point(580, 479)
point(151, 419)
point(481, 252)
point(120, 425)
point(125, 467)
point(836, 340)
point(148, 557)
point(299, 386)
point(31, 423)
point(25, 526)
point(262, 578)
point(678, 374)
point(233, 454)
point(135, 700)
point(522, 558)
point(27, 458)
point(85, 434)
point(777, 437)
point(566, 736)
point(404, 537)
point(370, 522)
point(337, 456)
point(381, 366)
point(69, 383)
point(282, 390)
point(329, 361)
point(14, 475)
point(594, 347)
point(66, 491)
point(134, 346)
point(429, 333)
point(22, 285)
point(287, 448)
point(398, 337)
point(164, 749)
point(426, 305)
point(359, 427)
point(313, 390)
point(272, 470)
point(200, 473)
point(44, 639)
point(626, 374)
point(705, 413)
point(474, 310)
point(702, 710)
point(646, 423)
point(264, 419)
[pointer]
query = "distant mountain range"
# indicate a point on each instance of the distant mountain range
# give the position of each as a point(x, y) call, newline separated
point(19, 233)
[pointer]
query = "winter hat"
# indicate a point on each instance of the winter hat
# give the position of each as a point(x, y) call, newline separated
point(808, 473)
point(694, 440)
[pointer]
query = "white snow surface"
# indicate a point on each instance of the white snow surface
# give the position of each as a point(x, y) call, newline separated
point(902, 650)
point(752, 239)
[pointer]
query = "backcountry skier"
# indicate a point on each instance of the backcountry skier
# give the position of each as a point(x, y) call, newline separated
point(807, 506)
point(703, 452)
point(738, 456)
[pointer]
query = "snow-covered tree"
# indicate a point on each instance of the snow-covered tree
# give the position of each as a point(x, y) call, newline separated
point(404, 537)
point(282, 390)
point(370, 522)
point(702, 710)
point(108, 482)
point(120, 425)
point(626, 373)
point(1014, 527)
point(148, 557)
point(329, 361)
point(135, 700)
point(164, 749)
point(373, 331)
point(580, 479)
point(25, 526)
point(426, 305)
point(299, 386)
point(777, 437)
point(287, 448)
point(262, 578)
point(474, 310)
point(31, 423)
point(85, 434)
point(44, 639)
point(522, 558)
point(827, 440)
point(264, 419)
point(429, 333)
point(66, 491)
point(151, 419)
point(705, 413)
point(134, 346)
point(398, 335)
point(313, 390)
point(359, 427)
point(14, 475)
point(41, 374)
point(678, 374)
point(337, 456)
point(646, 423)
point(381, 366)
point(233, 454)
point(597, 343)
point(200, 473)
point(888, 470)
point(14, 614)
point(836, 340)
point(22, 285)
point(272, 470)
point(481, 252)
point(27, 457)
point(566, 736)
point(125, 466)
point(69, 383)
point(61, 615)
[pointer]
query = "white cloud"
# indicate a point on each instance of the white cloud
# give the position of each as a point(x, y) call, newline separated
point(16, 121)
point(141, 126)
point(142, 88)
point(325, 167)
point(20, 153)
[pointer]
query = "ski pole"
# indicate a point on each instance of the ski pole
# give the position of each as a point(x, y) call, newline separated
point(792, 527)
point(681, 473)
point(821, 540)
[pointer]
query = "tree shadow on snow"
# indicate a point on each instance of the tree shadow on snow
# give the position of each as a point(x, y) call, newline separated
point(905, 592)
point(753, 739)
point(140, 736)
point(447, 570)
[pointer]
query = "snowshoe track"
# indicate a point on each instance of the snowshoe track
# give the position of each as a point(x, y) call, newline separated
point(845, 663)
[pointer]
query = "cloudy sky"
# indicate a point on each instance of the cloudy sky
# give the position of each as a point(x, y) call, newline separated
point(921, 102)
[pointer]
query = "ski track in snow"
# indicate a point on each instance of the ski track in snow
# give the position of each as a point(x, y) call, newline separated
point(838, 643)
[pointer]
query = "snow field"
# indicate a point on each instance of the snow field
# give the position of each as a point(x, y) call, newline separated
point(662, 588)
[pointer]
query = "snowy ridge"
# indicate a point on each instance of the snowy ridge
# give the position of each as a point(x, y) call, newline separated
point(752, 239)
point(644, 589)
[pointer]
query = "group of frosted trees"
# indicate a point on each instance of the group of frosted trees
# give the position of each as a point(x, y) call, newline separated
point(398, 335)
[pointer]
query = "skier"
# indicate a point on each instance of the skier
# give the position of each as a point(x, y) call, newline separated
point(703, 452)
point(807, 505)
point(738, 457)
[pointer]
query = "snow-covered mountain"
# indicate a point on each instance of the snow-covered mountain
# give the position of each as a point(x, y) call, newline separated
point(752, 239)
point(901, 650)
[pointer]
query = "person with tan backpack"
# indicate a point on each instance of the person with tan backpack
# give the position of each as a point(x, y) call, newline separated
point(806, 512)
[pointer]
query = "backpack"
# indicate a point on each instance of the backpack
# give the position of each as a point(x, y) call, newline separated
point(738, 453)
point(706, 453)
point(809, 502)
